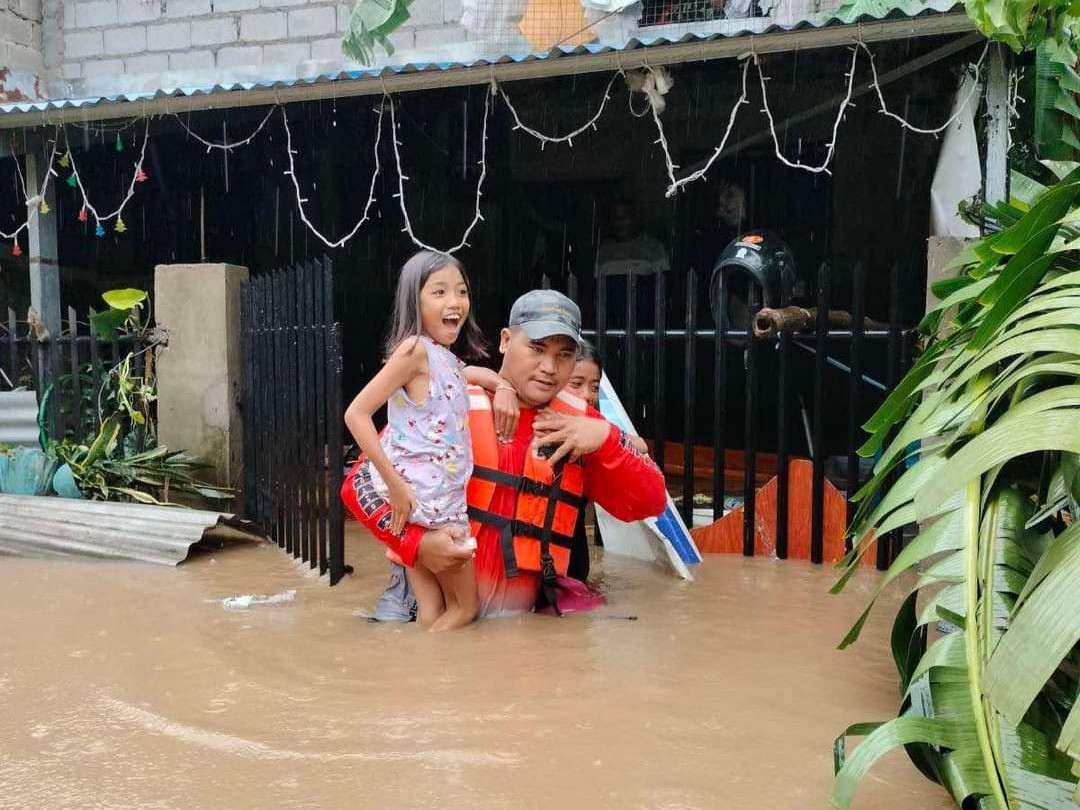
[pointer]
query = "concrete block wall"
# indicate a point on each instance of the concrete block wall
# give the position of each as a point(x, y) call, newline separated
point(131, 43)
point(22, 35)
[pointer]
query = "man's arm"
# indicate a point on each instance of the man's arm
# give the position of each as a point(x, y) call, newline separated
point(374, 512)
point(623, 479)
point(618, 476)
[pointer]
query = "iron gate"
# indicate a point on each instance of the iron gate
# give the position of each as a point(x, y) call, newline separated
point(633, 355)
point(293, 430)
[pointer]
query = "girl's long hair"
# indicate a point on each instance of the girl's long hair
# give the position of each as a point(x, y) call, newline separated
point(405, 321)
point(587, 353)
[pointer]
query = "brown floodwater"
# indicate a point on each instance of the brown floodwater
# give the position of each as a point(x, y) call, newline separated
point(132, 686)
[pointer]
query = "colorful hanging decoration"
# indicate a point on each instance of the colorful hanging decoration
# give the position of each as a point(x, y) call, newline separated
point(72, 180)
point(84, 215)
point(140, 175)
point(16, 249)
point(119, 143)
point(65, 160)
point(99, 231)
point(120, 226)
point(44, 208)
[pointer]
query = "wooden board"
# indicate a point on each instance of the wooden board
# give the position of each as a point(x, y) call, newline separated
point(725, 536)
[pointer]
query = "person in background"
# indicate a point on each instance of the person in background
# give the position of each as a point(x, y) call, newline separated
point(627, 248)
point(422, 461)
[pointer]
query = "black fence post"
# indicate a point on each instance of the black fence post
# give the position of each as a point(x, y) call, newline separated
point(601, 317)
point(750, 425)
point(13, 348)
point(97, 379)
point(630, 375)
point(246, 501)
point(858, 316)
point(886, 545)
point(783, 399)
point(817, 531)
point(719, 479)
point(689, 390)
point(659, 352)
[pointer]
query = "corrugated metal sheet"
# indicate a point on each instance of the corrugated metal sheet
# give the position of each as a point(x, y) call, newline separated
point(58, 527)
point(18, 418)
point(242, 81)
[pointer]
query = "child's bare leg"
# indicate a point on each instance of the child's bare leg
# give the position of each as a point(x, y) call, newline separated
point(430, 605)
point(459, 589)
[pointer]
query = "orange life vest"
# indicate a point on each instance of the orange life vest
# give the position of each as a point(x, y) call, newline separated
point(540, 534)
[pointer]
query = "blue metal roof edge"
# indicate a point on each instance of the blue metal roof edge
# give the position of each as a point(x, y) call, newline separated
point(441, 66)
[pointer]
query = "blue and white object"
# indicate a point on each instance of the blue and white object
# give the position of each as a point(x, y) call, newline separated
point(664, 538)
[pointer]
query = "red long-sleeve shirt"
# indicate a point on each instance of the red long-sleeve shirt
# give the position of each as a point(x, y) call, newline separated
point(622, 480)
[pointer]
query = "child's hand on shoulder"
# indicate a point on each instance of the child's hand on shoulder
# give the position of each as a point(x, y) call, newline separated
point(507, 411)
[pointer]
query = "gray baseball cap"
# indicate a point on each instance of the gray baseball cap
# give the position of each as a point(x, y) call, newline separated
point(543, 313)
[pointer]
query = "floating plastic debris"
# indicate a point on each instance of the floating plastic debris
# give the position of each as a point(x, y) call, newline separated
point(252, 599)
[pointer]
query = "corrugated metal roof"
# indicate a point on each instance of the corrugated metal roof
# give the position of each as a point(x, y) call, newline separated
point(18, 418)
point(59, 527)
point(936, 18)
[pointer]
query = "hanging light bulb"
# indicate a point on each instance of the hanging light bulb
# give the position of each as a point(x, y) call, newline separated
point(119, 143)
point(65, 160)
point(140, 175)
point(84, 215)
point(44, 208)
point(16, 249)
point(72, 180)
point(120, 226)
point(99, 231)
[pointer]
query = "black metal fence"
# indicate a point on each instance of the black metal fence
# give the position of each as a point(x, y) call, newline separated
point(293, 413)
point(845, 373)
point(70, 371)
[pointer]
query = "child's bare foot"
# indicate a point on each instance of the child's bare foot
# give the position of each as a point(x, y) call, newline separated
point(427, 619)
point(454, 618)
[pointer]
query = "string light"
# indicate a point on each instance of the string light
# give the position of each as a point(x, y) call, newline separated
point(225, 145)
point(568, 138)
point(477, 217)
point(884, 110)
point(36, 204)
point(676, 185)
point(108, 129)
point(98, 218)
point(824, 167)
point(300, 200)
point(33, 203)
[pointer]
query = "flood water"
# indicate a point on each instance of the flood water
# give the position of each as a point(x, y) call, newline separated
point(131, 686)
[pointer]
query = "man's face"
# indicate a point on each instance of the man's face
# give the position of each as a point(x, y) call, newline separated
point(538, 369)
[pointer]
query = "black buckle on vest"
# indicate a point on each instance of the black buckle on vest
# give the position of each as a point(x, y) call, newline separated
point(548, 580)
point(518, 527)
point(528, 486)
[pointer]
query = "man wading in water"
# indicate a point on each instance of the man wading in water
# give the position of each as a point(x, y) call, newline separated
point(526, 492)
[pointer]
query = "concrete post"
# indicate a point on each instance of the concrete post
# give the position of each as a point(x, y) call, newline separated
point(997, 126)
point(941, 250)
point(199, 372)
point(44, 270)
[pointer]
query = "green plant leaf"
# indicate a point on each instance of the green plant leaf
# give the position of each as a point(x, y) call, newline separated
point(107, 323)
point(887, 737)
point(124, 300)
point(1045, 628)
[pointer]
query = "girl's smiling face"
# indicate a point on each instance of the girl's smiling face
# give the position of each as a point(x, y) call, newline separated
point(444, 305)
point(585, 382)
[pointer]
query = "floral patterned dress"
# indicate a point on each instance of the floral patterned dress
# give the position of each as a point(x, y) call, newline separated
point(428, 442)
